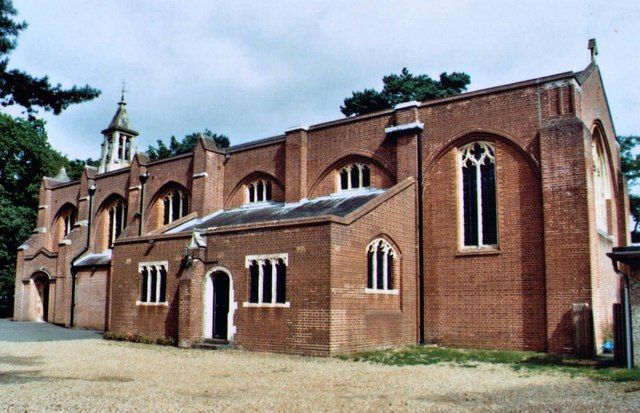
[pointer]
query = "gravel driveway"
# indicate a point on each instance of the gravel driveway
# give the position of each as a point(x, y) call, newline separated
point(96, 375)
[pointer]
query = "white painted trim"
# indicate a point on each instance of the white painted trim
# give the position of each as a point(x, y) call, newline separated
point(286, 304)
point(283, 256)
point(376, 291)
point(84, 198)
point(43, 206)
point(233, 305)
point(409, 104)
point(295, 128)
point(82, 223)
point(406, 126)
point(162, 304)
point(135, 188)
point(200, 175)
point(40, 230)
point(65, 242)
point(156, 263)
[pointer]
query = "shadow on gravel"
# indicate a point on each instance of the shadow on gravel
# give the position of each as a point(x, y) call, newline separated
point(30, 376)
point(19, 360)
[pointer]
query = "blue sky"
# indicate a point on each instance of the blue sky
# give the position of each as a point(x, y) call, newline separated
point(252, 69)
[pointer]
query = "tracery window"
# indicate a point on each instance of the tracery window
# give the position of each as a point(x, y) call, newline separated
point(267, 279)
point(354, 176)
point(380, 266)
point(259, 191)
point(478, 187)
point(68, 220)
point(117, 220)
point(175, 206)
point(601, 185)
point(153, 283)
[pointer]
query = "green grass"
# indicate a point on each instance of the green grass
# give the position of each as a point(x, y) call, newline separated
point(598, 369)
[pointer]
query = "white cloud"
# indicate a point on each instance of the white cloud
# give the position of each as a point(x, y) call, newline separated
point(251, 69)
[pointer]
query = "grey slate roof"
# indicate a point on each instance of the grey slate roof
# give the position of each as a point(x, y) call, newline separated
point(94, 260)
point(336, 205)
point(120, 120)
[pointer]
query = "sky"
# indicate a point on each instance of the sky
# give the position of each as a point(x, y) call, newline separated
point(253, 69)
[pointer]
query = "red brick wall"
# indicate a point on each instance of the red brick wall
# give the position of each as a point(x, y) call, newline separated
point(361, 320)
point(495, 300)
point(91, 299)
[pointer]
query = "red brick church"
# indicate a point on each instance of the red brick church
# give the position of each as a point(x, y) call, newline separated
point(477, 220)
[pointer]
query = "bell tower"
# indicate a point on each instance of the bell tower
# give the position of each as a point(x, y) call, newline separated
point(119, 144)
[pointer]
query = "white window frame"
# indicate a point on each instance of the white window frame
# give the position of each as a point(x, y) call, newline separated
point(349, 169)
point(260, 260)
point(253, 187)
point(114, 224)
point(602, 186)
point(157, 265)
point(463, 155)
point(387, 250)
point(181, 195)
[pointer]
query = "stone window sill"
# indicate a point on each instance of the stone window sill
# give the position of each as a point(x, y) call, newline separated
point(382, 292)
point(262, 305)
point(469, 252)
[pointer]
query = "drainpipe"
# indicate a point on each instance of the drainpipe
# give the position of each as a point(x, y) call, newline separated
point(143, 180)
point(627, 316)
point(92, 191)
point(420, 240)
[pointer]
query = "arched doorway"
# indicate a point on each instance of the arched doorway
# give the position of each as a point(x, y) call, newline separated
point(41, 283)
point(218, 305)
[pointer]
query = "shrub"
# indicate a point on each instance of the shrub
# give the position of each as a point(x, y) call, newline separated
point(136, 338)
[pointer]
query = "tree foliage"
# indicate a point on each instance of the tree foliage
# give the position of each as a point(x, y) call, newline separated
point(630, 159)
point(25, 157)
point(187, 144)
point(405, 87)
point(20, 88)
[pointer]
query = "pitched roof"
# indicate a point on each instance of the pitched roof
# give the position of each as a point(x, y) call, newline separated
point(120, 121)
point(339, 205)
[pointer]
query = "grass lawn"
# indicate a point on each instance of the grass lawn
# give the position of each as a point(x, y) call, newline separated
point(599, 369)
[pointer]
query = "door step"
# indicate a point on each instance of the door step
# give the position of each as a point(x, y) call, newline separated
point(212, 344)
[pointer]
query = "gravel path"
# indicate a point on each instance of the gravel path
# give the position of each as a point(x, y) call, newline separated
point(99, 375)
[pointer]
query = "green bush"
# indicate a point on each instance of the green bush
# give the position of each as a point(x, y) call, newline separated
point(136, 338)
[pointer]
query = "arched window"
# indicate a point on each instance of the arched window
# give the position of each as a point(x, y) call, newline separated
point(175, 206)
point(602, 185)
point(354, 176)
point(259, 191)
point(380, 266)
point(153, 283)
point(267, 279)
point(117, 220)
point(478, 194)
point(69, 220)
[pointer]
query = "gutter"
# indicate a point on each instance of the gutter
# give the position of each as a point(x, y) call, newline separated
point(627, 317)
point(74, 270)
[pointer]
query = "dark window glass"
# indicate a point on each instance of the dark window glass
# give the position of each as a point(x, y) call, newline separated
point(260, 189)
point(344, 179)
point(355, 177)
point(112, 218)
point(253, 282)
point(268, 185)
point(470, 203)
point(489, 216)
point(185, 205)
point(252, 193)
point(167, 209)
point(281, 282)
point(366, 176)
point(163, 285)
point(380, 269)
point(119, 213)
point(390, 272)
point(175, 207)
point(143, 284)
point(267, 281)
point(370, 274)
point(154, 281)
